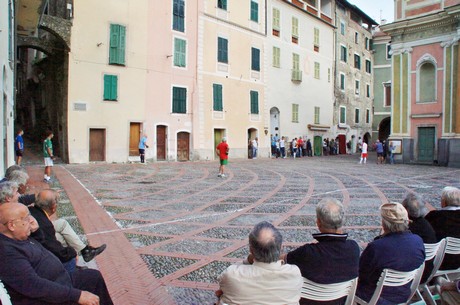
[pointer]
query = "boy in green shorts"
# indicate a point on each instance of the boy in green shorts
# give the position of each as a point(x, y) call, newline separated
point(222, 150)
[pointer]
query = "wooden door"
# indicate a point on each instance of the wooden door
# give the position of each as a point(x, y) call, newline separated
point(134, 138)
point(183, 146)
point(318, 145)
point(96, 144)
point(342, 144)
point(161, 142)
point(426, 137)
point(218, 135)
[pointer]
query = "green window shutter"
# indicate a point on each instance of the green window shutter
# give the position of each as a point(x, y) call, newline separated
point(254, 11)
point(276, 57)
point(295, 62)
point(254, 102)
point(110, 87)
point(316, 115)
point(117, 44)
point(342, 81)
point(343, 112)
point(295, 113)
point(179, 15)
point(179, 52)
point(295, 27)
point(276, 19)
point(222, 50)
point(217, 97)
point(317, 70)
point(222, 4)
point(316, 37)
point(356, 115)
point(179, 100)
point(255, 59)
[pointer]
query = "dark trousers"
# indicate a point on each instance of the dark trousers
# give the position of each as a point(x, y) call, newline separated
point(91, 280)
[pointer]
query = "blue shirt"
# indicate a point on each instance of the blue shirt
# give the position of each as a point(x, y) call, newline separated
point(19, 143)
point(379, 148)
point(142, 143)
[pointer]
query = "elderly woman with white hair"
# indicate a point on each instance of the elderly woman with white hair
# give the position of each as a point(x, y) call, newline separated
point(397, 249)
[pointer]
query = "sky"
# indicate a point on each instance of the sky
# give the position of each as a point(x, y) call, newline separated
point(376, 9)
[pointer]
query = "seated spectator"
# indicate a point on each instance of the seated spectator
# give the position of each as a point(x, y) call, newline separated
point(334, 258)
point(9, 170)
point(32, 275)
point(21, 178)
point(266, 281)
point(450, 292)
point(417, 210)
point(8, 192)
point(446, 223)
point(396, 249)
point(45, 206)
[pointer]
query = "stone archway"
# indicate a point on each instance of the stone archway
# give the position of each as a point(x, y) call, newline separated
point(384, 128)
point(275, 121)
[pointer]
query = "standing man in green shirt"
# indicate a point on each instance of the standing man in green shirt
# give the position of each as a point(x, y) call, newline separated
point(48, 154)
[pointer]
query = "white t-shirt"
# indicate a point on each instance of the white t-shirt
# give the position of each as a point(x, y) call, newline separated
point(364, 148)
point(254, 143)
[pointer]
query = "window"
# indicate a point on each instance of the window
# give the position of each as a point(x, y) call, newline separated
point(110, 87)
point(255, 59)
point(117, 44)
point(295, 30)
point(356, 37)
point(387, 94)
point(217, 97)
point(254, 11)
point(316, 40)
point(357, 87)
point(368, 66)
point(388, 51)
point(295, 113)
point(276, 22)
point(222, 4)
point(427, 83)
point(342, 27)
point(276, 57)
point(357, 115)
point(316, 115)
point(342, 81)
point(296, 73)
point(367, 44)
point(368, 90)
point(180, 50)
point(222, 50)
point(179, 15)
point(368, 116)
point(343, 53)
point(343, 115)
point(254, 102)
point(317, 70)
point(328, 75)
point(357, 61)
point(179, 100)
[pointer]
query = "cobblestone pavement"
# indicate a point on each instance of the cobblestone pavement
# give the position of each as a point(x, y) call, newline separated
point(172, 228)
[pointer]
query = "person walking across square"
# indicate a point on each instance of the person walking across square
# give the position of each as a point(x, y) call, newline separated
point(48, 155)
point(142, 146)
point(222, 150)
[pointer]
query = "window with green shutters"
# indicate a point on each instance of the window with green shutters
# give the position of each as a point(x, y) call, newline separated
point(357, 115)
point(217, 97)
point(342, 81)
point(317, 70)
point(295, 113)
point(222, 50)
point(179, 15)
point(276, 57)
point(343, 115)
point(117, 44)
point(254, 11)
point(179, 100)
point(316, 115)
point(222, 4)
point(316, 39)
point(110, 87)
point(180, 51)
point(343, 53)
point(254, 102)
point(342, 27)
point(357, 61)
point(368, 66)
point(276, 20)
point(368, 116)
point(295, 62)
point(295, 27)
point(255, 59)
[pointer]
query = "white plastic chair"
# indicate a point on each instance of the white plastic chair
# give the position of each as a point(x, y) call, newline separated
point(4, 296)
point(329, 292)
point(436, 252)
point(395, 278)
point(452, 247)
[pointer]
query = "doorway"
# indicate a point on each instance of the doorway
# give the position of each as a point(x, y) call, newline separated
point(134, 137)
point(218, 135)
point(161, 142)
point(252, 134)
point(183, 146)
point(318, 145)
point(426, 137)
point(342, 144)
point(275, 121)
point(96, 144)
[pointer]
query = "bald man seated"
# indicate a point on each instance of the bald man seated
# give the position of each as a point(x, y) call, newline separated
point(33, 275)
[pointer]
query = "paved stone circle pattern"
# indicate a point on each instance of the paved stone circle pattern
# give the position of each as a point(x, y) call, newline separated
point(188, 225)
